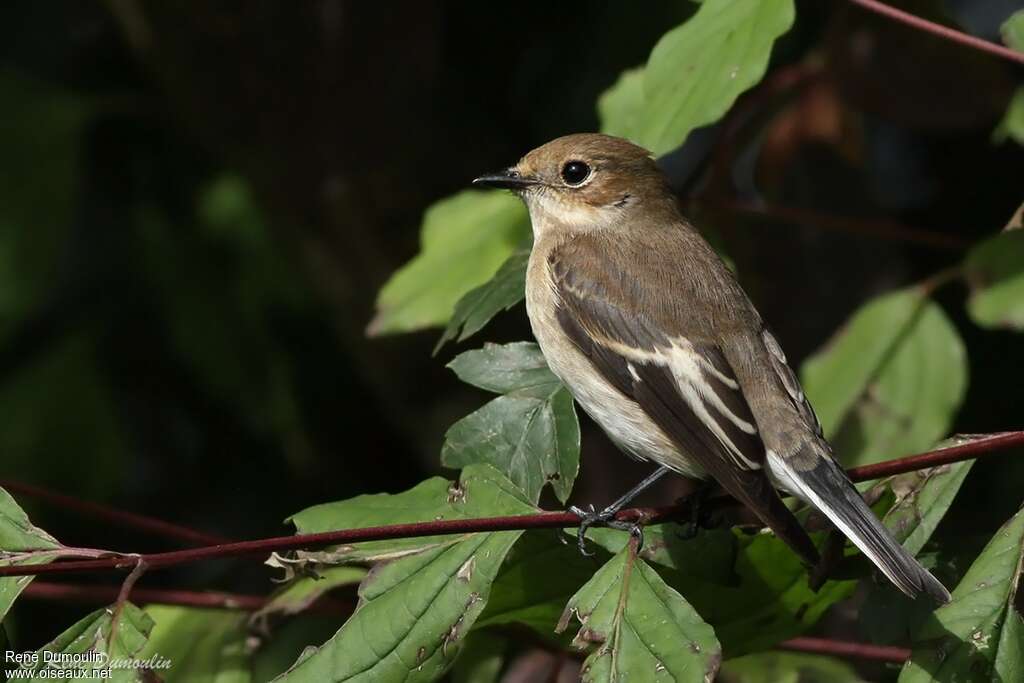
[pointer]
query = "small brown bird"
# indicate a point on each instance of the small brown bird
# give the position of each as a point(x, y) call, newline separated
point(652, 334)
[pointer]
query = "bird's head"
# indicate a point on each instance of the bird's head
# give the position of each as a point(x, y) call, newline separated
point(583, 182)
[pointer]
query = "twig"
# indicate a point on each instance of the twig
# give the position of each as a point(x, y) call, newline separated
point(122, 597)
point(881, 228)
point(128, 520)
point(91, 594)
point(541, 520)
point(944, 456)
point(946, 32)
point(843, 648)
point(325, 605)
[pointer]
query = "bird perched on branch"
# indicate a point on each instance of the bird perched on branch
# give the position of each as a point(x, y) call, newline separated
point(654, 337)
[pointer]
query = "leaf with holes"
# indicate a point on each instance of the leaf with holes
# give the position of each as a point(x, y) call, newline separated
point(474, 310)
point(643, 628)
point(994, 271)
point(890, 381)
point(465, 238)
point(979, 636)
point(415, 611)
point(530, 433)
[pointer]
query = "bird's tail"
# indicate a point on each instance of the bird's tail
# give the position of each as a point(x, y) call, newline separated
point(827, 488)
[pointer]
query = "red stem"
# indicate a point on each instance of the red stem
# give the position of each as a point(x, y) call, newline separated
point(943, 456)
point(92, 595)
point(542, 520)
point(88, 594)
point(946, 32)
point(85, 594)
point(843, 648)
point(129, 520)
point(881, 228)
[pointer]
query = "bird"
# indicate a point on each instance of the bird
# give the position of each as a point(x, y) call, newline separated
point(656, 340)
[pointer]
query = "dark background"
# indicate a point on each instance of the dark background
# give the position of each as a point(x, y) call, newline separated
point(200, 200)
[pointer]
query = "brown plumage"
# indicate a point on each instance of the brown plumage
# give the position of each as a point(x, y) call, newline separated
point(655, 338)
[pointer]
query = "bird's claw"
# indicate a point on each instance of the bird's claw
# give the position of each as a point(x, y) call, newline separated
point(606, 518)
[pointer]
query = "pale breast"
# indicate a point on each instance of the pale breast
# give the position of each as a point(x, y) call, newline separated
point(619, 416)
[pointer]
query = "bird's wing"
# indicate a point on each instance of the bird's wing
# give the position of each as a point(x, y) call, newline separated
point(672, 369)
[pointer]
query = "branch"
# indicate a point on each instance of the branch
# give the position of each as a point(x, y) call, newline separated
point(844, 648)
point(98, 595)
point(128, 520)
point(980, 447)
point(92, 594)
point(939, 30)
point(881, 228)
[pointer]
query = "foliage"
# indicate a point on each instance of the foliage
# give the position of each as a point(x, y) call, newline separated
point(640, 625)
point(465, 238)
point(993, 271)
point(530, 432)
point(979, 636)
point(723, 49)
point(890, 381)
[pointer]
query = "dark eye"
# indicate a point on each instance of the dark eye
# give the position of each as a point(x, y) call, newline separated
point(575, 172)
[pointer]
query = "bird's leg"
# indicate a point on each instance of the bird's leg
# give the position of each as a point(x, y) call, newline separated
point(606, 517)
point(700, 518)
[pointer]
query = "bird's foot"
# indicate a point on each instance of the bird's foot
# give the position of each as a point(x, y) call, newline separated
point(606, 518)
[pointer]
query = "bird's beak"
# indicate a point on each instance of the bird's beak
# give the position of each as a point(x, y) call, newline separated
point(509, 179)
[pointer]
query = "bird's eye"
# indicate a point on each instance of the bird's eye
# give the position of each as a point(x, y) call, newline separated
point(575, 172)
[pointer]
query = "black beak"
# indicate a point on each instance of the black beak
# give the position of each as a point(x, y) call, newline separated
point(509, 179)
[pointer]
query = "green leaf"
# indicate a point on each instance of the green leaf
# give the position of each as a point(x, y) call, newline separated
point(979, 636)
point(465, 238)
point(1011, 126)
point(477, 307)
point(696, 72)
point(415, 611)
point(530, 433)
point(994, 271)
point(644, 629)
point(482, 660)
point(890, 381)
point(709, 556)
point(91, 640)
point(201, 645)
point(621, 107)
point(752, 589)
point(786, 667)
point(539, 576)
point(299, 594)
point(481, 491)
point(1012, 31)
point(921, 501)
point(18, 536)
